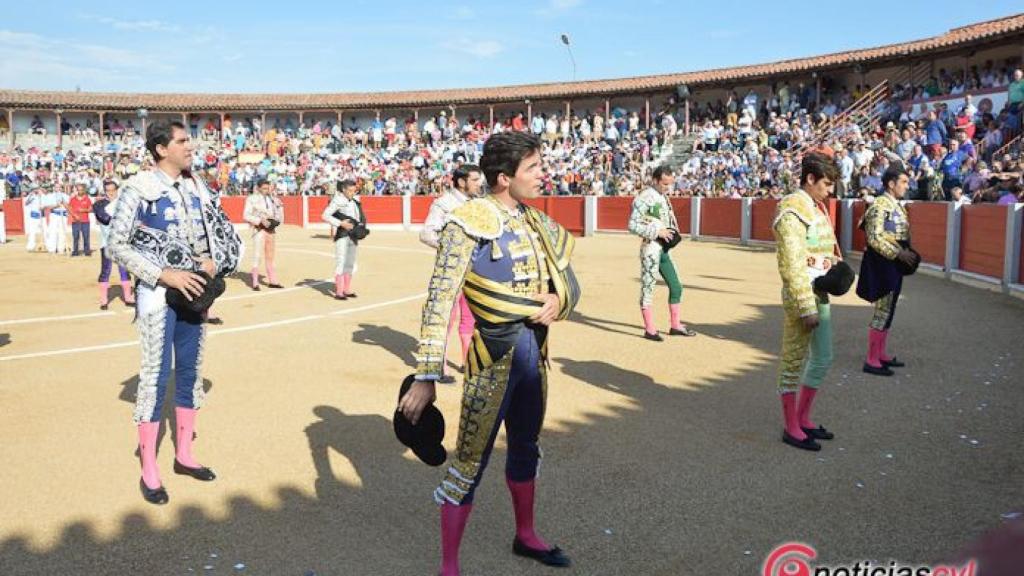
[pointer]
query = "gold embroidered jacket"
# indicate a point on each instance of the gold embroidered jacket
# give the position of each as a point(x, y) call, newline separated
point(886, 225)
point(500, 259)
point(804, 239)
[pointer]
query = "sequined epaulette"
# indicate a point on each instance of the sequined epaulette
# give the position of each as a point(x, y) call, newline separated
point(798, 203)
point(151, 188)
point(147, 185)
point(479, 218)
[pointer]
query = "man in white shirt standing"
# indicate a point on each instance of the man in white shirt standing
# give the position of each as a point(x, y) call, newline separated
point(537, 125)
point(750, 103)
point(56, 230)
point(264, 212)
point(551, 128)
point(970, 108)
point(862, 156)
point(846, 167)
point(468, 180)
point(35, 223)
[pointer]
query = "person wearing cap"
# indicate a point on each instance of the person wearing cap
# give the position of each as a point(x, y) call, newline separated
point(887, 229)
point(806, 250)
point(512, 263)
point(468, 183)
point(264, 212)
point(862, 156)
point(35, 223)
point(654, 221)
point(347, 204)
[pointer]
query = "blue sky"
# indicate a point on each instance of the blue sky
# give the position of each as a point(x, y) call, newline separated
point(362, 45)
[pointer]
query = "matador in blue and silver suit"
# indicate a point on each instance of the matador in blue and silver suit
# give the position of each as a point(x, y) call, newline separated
point(163, 223)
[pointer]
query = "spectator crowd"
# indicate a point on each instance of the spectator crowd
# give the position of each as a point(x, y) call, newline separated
point(740, 147)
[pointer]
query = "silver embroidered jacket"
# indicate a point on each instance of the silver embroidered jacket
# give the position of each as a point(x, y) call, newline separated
point(159, 223)
point(341, 203)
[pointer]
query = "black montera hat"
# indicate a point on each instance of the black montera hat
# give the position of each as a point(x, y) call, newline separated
point(909, 269)
point(837, 280)
point(667, 245)
point(424, 438)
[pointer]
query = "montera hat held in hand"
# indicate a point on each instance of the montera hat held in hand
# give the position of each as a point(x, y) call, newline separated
point(837, 280)
point(667, 245)
point(424, 437)
point(212, 290)
point(909, 269)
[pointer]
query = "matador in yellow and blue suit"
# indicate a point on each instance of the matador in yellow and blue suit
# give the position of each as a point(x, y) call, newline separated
point(499, 258)
point(887, 229)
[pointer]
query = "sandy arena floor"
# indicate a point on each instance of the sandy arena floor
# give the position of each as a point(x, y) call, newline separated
point(661, 458)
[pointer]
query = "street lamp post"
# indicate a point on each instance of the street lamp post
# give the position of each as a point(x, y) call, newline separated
point(143, 114)
point(817, 91)
point(683, 92)
point(60, 120)
point(565, 40)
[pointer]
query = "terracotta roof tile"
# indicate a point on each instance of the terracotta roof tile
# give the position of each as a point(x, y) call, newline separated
point(964, 35)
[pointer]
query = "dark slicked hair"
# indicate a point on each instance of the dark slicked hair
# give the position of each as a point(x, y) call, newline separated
point(463, 172)
point(662, 171)
point(159, 133)
point(504, 152)
point(345, 185)
point(820, 165)
point(893, 173)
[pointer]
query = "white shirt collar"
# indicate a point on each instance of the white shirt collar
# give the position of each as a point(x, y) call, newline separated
point(164, 178)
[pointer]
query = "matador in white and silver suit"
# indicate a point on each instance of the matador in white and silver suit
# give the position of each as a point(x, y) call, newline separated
point(345, 214)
